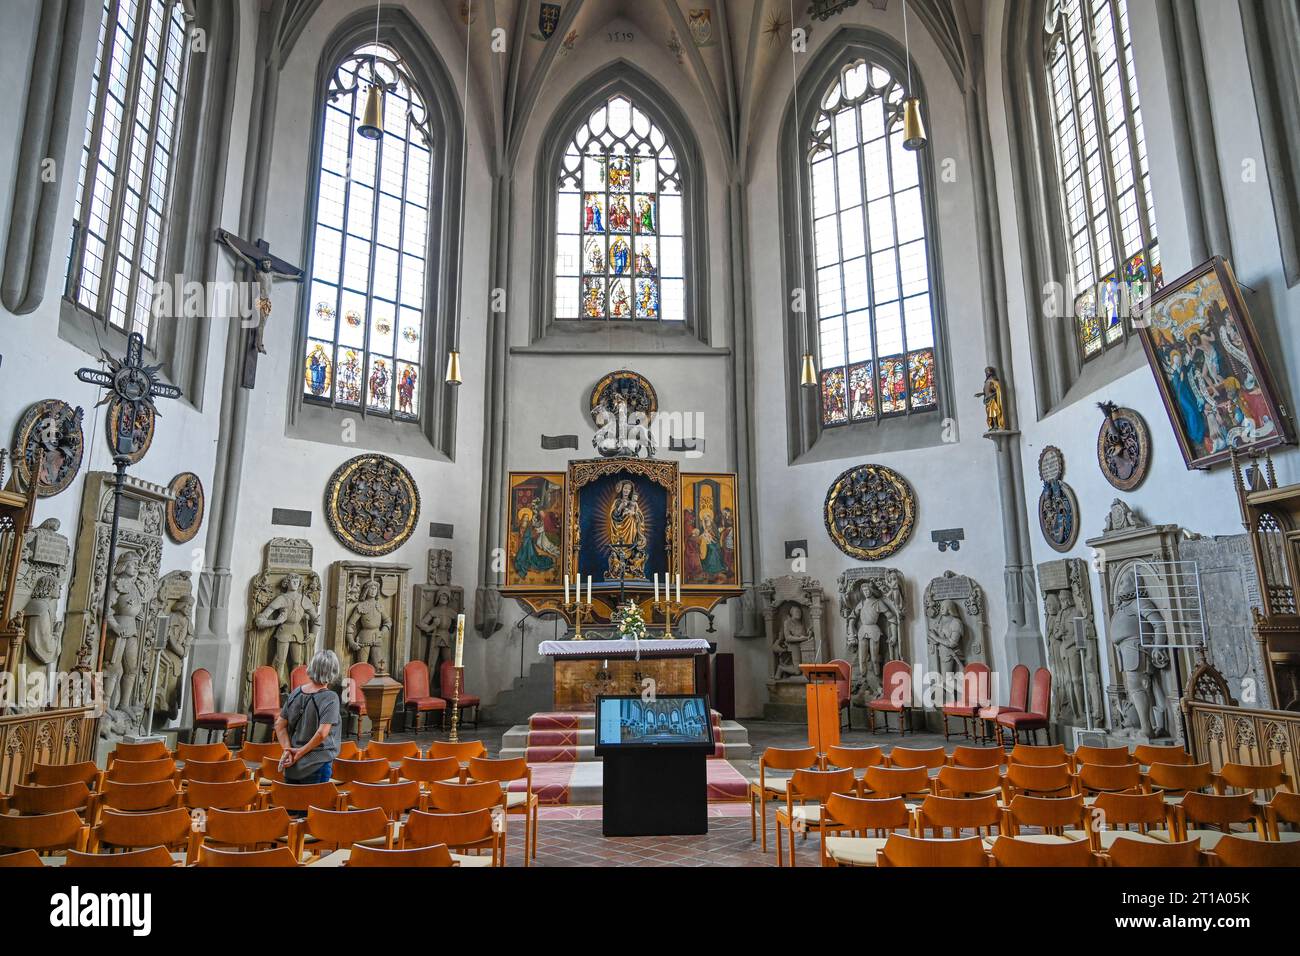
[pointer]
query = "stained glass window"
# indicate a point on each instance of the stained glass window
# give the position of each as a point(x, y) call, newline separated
point(1104, 174)
point(125, 180)
point(875, 322)
point(365, 324)
point(619, 243)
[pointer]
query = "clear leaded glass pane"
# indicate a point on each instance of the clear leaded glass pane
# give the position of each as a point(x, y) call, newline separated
point(619, 242)
point(875, 321)
point(1103, 170)
point(365, 330)
point(125, 172)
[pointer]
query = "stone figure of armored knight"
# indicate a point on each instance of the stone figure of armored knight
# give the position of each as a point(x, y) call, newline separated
point(873, 633)
point(1133, 632)
point(127, 604)
point(295, 621)
point(438, 625)
point(368, 626)
point(945, 634)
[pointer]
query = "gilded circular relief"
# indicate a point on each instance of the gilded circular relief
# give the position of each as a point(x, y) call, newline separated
point(372, 505)
point(870, 512)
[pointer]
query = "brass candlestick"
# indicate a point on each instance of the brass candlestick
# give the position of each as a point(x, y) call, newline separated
point(455, 708)
point(667, 608)
point(578, 611)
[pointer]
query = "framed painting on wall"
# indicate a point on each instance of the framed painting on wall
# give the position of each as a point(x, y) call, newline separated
point(535, 536)
point(1205, 354)
point(710, 549)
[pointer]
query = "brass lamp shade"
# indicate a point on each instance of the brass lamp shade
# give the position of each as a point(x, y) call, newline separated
point(913, 126)
point(808, 375)
point(372, 120)
point(453, 368)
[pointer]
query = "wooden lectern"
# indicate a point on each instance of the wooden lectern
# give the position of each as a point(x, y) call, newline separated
point(823, 705)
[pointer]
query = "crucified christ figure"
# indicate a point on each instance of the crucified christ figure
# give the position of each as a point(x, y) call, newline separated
point(257, 256)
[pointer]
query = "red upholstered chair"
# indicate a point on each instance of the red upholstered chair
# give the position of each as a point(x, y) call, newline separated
point(447, 688)
point(895, 697)
point(266, 699)
point(1040, 710)
point(354, 701)
point(1017, 702)
point(298, 677)
point(206, 715)
point(417, 697)
point(843, 691)
point(972, 694)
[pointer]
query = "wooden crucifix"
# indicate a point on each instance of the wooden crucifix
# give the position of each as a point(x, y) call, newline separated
point(267, 268)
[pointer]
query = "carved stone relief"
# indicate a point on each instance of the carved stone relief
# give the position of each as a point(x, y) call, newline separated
point(792, 621)
point(435, 606)
point(873, 603)
point(1073, 655)
point(169, 651)
point(956, 629)
point(284, 602)
point(369, 614)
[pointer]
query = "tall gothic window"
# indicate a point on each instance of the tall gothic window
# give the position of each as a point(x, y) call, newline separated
point(366, 320)
point(1104, 174)
point(119, 230)
point(619, 243)
point(875, 317)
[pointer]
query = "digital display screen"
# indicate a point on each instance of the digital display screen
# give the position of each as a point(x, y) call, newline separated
point(662, 721)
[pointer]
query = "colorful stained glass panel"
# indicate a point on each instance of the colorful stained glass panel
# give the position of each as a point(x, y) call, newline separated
point(379, 385)
point(646, 216)
point(593, 298)
point(893, 385)
point(620, 299)
point(318, 370)
point(408, 390)
point(349, 377)
point(921, 376)
point(620, 257)
point(862, 392)
point(834, 405)
point(593, 216)
point(620, 214)
point(647, 299)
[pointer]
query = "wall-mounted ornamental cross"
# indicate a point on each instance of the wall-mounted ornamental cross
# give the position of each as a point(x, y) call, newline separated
point(133, 384)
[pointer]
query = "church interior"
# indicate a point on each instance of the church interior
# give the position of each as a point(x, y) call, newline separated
point(502, 433)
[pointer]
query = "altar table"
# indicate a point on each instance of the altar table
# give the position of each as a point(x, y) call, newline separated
point(586, 669)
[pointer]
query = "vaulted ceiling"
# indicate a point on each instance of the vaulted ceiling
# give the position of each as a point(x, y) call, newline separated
point(731, 58)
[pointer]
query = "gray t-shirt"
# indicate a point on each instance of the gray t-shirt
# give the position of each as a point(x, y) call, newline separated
point(304, 714)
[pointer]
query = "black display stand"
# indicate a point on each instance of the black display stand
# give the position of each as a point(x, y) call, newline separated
point(652, 791)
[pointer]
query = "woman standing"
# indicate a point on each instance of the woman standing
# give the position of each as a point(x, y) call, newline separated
point(308, 727)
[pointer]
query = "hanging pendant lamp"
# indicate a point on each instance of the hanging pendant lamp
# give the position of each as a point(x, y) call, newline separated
point(372, 117)
point(914, 137)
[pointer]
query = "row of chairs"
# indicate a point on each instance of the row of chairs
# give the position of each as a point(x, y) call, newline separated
point(418, 698)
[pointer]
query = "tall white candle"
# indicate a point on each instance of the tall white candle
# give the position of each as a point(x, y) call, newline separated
point(566, 589)
point(590, 578)
point(460, 640)
point(656, 587)
point(679, 589)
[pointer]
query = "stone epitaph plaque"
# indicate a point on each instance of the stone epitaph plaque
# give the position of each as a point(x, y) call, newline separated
point(956, 623)
point(284, 613)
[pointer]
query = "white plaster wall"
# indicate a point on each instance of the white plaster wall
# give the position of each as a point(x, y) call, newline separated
point(285, 472)
point(548, 393)
point(955, 483)
point(38, 364)
point(1202, 502)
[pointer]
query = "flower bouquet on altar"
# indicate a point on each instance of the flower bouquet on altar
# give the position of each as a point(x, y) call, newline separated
point(631, 625)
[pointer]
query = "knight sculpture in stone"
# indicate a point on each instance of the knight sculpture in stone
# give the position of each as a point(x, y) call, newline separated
point(945, 635)
point(368, 626)
point(873, 633)
point(438, 626)
point(127, 605)
point(1133, 632)
point(296, 622)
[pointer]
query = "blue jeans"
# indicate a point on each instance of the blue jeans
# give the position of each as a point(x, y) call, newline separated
point(320, 775)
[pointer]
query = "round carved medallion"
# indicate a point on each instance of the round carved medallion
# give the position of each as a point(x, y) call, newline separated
point(1123, 447)
point(54, 427)
point(870, 512)
point(141, 436)
point(372, 505)
point(1058, 508)
point(185, 511)
point(624, 387)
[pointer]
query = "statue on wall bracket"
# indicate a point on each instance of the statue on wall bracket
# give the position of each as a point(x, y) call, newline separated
point(994, 398)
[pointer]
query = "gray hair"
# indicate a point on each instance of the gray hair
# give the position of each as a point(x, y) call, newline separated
point(324, 668)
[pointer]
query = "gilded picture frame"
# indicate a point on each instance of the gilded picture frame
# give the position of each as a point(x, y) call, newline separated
point(708, 509)
point(535, 540)
point(1209, 367)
